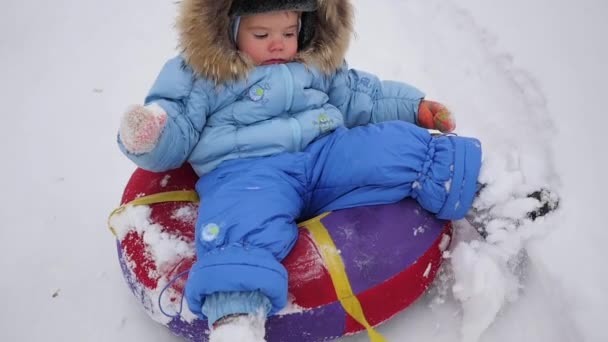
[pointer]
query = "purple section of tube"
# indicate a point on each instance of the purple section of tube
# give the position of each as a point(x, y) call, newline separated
point(377, 242)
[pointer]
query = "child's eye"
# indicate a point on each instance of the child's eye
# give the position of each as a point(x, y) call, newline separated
point(260, 35)
point(289, 34)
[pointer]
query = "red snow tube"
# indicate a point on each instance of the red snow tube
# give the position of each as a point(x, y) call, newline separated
point(374, 261)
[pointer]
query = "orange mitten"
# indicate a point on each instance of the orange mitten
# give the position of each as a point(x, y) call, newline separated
point(434, 115)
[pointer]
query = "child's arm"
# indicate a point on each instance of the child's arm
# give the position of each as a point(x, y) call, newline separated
point(160, 135)
point(363, 98)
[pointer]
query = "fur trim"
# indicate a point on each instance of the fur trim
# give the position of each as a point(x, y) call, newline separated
point(204, 38)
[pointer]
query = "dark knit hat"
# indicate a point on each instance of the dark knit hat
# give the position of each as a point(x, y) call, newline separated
point(246, 7)
point(307, 19)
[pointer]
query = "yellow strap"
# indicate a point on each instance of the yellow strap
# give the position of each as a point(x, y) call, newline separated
point(161, 197)
point(337, 272)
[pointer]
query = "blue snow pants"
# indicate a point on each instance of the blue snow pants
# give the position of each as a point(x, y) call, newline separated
point(249, 207)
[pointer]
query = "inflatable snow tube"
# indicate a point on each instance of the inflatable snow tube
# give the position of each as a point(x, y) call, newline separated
point(350, 270)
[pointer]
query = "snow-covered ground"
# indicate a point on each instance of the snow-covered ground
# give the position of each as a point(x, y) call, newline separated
point(526, 77)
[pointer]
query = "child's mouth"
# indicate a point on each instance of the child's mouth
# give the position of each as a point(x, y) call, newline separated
point(274, 61)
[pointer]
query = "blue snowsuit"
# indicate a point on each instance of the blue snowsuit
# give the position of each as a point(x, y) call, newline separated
point(286, 144)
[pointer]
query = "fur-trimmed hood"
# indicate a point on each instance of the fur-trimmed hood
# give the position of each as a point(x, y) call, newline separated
point(206, 46)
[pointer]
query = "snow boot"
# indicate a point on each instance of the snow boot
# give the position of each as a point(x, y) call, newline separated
point(547, 203)
point(547, 200)
point(239, 327)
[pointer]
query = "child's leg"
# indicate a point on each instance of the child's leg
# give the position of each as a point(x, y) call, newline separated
point(246, 226)
point(385, 163)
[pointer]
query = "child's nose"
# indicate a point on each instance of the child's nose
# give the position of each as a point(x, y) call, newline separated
point(277, 45)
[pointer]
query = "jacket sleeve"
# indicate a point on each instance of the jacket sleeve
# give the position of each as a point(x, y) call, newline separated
point(186, 110)
point(363, 98)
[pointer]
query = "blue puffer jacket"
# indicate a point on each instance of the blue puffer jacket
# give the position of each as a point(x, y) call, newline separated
point(278, 108)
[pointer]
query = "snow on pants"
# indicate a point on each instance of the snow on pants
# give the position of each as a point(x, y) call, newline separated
point(249, 207)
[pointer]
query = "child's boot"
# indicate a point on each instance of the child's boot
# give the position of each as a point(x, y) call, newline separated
point(240, 327)
point(548, 202)
point(237, 316)
point(545, 201)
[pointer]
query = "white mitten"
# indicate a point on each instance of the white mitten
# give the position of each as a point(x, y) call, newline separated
point(141, 127)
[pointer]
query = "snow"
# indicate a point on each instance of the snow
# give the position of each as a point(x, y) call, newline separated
point(526, 78)
point(165, 248)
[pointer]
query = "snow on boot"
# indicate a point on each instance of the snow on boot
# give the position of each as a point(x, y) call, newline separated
point(548, 202)
point(241, 328)
point(511, 215)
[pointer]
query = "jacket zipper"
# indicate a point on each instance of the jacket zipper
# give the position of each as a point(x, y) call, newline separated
point(296, 128)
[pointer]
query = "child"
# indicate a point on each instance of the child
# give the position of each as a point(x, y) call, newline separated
point(262, 106)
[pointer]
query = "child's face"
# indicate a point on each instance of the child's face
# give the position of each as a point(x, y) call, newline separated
point(269, 38)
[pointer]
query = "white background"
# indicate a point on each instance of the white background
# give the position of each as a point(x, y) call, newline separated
point(527, 77)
